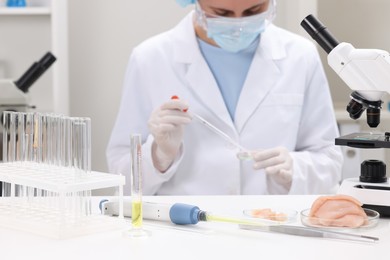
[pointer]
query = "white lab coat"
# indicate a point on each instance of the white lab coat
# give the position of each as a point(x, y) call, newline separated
point(285, 101)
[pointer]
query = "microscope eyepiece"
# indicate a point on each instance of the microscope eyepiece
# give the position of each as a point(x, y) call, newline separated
point(34, 72)
point(319, 33)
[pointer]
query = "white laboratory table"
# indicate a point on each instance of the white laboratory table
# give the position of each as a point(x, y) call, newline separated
point(206, 240)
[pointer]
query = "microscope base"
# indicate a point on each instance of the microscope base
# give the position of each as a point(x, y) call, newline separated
point(374, 196)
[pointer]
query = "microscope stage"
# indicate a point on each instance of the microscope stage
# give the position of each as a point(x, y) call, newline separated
point(364, 140)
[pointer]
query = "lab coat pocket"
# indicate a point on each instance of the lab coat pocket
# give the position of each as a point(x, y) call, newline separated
point(283, 111)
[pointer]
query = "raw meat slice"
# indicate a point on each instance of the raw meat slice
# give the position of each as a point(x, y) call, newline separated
point(337, 211)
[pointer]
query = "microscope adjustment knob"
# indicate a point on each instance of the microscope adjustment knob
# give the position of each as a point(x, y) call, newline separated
point(373, 171)
point(387, 136)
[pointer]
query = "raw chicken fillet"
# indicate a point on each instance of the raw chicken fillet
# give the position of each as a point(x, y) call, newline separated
point(338, 211)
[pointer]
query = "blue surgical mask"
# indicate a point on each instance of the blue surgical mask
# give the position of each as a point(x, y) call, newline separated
point(184, 3)
point(234, 34)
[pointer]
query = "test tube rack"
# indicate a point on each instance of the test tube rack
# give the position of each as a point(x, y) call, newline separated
point(64, 211)
point(46, 177)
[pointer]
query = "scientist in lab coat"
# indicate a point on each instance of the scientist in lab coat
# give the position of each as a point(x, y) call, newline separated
point(263, 86)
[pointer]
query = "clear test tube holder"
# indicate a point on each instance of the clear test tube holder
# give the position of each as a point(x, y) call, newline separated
point(53, 222)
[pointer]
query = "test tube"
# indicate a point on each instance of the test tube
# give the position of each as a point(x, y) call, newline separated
point(5, 127)
point(37, 148)
point(20, 138)
point(66, 141)
point(29, 134)
point(43, 151)
point(55, 139)
point(37, 138)
point(5, 148)
point(85, 159)
point(12, 137)
point(136, 188)
point(6, 134)
point(8, 145)
point(82, 143)
point(20, 147)
point(45, 139)
point(81, 157)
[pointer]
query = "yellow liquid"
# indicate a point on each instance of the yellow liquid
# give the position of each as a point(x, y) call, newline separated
point(234, 220)
point(136, 214)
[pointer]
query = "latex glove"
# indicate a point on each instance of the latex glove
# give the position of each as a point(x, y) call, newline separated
point(277, 163)
point(166, 124)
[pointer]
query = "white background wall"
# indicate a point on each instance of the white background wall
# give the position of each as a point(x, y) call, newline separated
point(101, 36)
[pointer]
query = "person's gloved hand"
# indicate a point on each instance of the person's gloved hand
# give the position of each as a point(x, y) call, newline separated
point(166, 124)
point(277, 163)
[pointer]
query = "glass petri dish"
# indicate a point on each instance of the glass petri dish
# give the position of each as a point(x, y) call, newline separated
point(307, 220)
point(244, 156)
point(277, 215)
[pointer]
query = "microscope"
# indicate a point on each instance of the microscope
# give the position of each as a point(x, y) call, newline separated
point(13, 94)
point(367, 73)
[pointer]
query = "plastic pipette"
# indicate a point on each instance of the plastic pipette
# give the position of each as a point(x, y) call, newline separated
point(218, 131)
point(177, 213)
point(244, 153)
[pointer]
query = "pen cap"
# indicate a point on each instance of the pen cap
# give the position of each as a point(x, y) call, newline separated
point(183, 214)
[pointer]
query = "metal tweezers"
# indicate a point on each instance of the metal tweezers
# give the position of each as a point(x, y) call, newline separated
point(310, 232)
